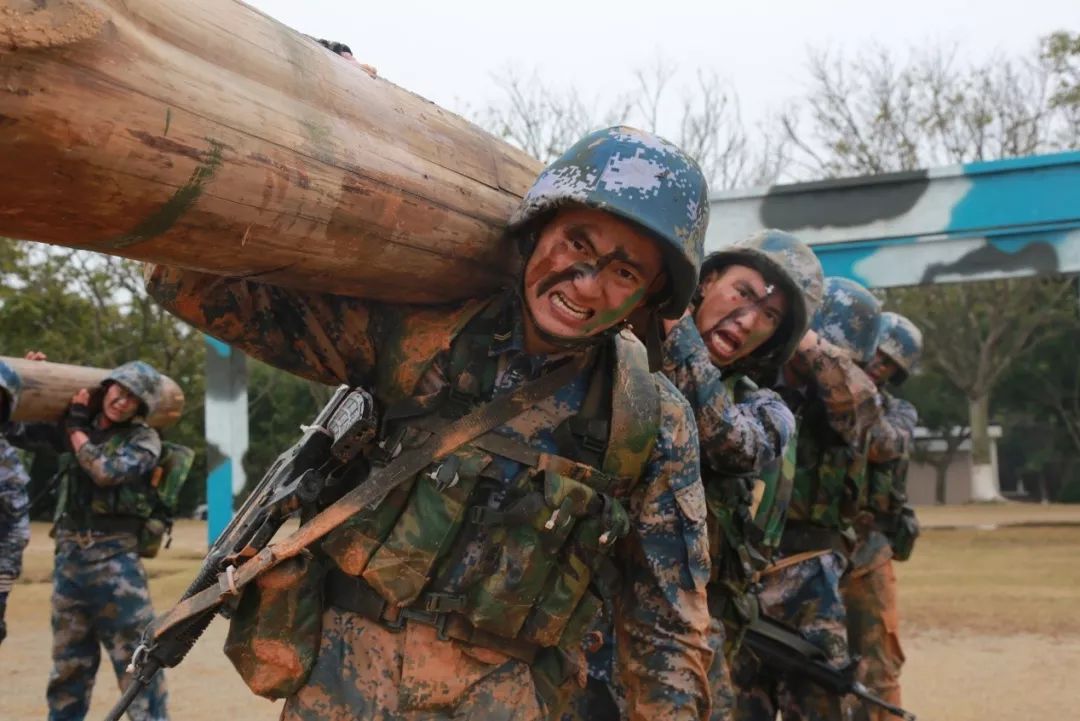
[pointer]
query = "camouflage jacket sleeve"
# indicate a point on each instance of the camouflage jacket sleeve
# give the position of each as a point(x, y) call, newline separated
point(740, 437)
point(850, 396)
point(14, 516)
point(131, 460)
point(661, 615)
point(318, 336)
point(890, 437)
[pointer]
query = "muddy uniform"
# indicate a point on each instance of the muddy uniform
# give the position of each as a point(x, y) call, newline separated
point(365, 668)
point(836, 412)
point(100, 595)
point(743, 430)
point(466, 592)
point(870, 588)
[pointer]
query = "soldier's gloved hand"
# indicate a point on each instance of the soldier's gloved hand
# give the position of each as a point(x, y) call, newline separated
point(78, 417)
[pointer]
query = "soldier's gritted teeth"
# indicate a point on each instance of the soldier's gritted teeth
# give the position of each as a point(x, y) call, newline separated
point(739, 311)
point(588, 270)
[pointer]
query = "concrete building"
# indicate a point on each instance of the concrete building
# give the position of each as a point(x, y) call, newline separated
point(922, 476)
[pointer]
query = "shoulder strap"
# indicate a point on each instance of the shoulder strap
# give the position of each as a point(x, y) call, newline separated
point(635, 410)
point(414, 339)
point(381, 481)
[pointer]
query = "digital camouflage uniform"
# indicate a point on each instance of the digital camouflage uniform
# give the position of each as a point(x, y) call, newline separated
point(488, 553)
point(743, 431)
point(870, 589)
point(100, 595)
point(837, 408)
point(14, 502)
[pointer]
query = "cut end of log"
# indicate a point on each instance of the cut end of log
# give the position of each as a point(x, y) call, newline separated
point(38, 24)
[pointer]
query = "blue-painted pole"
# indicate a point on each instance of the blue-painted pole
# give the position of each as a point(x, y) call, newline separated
point(226, 431)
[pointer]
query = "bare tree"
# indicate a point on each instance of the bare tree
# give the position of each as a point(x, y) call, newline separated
point(874, 112)
point(702, 117)
point(542, 120)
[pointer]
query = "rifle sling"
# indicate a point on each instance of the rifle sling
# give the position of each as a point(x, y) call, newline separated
point(790, 638)
point(379, 483)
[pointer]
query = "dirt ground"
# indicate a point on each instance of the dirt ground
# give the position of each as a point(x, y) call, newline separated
point(991, 628)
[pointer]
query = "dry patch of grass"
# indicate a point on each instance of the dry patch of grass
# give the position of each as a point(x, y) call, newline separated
point(1009, 580)
point(1005, 513)
point(989, 625)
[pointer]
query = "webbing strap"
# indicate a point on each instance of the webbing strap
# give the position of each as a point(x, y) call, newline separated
point(382, 480)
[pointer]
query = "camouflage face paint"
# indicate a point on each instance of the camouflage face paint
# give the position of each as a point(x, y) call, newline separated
point(581, 269)
point(609, 318)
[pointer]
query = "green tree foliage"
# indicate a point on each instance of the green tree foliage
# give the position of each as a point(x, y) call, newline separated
point(87, 309)
point(976, 332)
point(943, 413)
point(1039, 400)
point(278, 403)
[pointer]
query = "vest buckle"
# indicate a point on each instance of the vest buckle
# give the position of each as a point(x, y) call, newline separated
point(389, 448)
point(445, 474)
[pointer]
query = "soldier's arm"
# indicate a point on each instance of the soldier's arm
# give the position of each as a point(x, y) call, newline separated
point(849, 395)
point(319, 336)
point(128, 463)
point(36, 436)
point(740, 437)
point(661, 615)
point(890, 437)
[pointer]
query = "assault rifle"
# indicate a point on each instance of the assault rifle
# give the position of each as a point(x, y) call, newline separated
point(336, 447)
point(783, 650)
point(328, 452)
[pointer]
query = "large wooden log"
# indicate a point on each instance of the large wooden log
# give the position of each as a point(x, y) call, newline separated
point(47, 389)
point(207, 135)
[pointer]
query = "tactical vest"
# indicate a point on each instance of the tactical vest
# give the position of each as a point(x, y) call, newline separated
point(745, 520)
point(83, 505)
point(544, 536)
point(881, 486)
point(830, 476)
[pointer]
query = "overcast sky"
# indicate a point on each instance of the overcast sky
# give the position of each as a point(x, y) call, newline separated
point(448, 51)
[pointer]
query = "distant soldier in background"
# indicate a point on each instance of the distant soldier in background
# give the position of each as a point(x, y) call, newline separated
point(886, 526)
point(14, 502)
point(104, 505)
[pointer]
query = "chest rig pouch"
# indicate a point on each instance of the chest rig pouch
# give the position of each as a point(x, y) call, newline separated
point(84, 505)
point(524, 557)
point(746, 513)
point(828, 473)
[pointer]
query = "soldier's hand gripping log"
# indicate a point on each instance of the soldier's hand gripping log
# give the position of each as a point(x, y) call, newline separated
point(330, 451)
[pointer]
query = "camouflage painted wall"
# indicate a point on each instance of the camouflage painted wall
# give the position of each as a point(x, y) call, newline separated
point(969, 222)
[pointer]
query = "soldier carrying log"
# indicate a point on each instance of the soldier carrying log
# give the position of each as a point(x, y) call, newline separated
point(467, 589)
point(105, 509)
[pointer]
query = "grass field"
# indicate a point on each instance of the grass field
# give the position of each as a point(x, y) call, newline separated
point(991, 623)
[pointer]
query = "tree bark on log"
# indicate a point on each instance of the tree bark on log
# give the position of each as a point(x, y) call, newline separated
point(206, 135)
point(47, 389)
